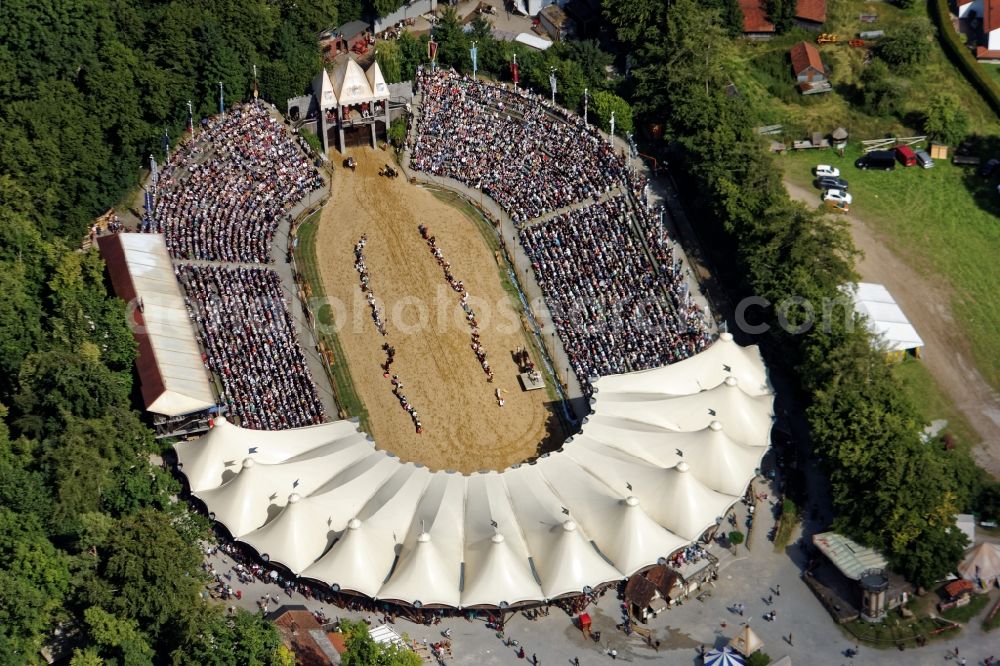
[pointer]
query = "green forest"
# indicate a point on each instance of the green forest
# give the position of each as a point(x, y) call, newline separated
point(93, 541)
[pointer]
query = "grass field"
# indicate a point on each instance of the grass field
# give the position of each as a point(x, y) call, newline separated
point(767, 85)
point(932, 401)
point(944, 223)
point(343, 385)
point(967, 612)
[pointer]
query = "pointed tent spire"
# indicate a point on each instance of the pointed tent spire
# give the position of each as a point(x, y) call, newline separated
point(420, 573)
point(379, 88)
point(322, 88)
point(503, 578)
point(573, 563)
point(350, 84)
point(294, 537)
point(689, 507)
point(236, 504)
point(746, 642)
point(720, 463)
point(637, 540)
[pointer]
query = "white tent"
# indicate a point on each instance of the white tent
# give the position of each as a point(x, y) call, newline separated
point(350, 84)
point(982, 563)
point(430, 561)
point(323, 91)
point(497, 570)
point(534, 41)
point(697, 373)
point(376, 82)
point(362, 558)
point(214, 458)
point(656, 463)
point(886, 318)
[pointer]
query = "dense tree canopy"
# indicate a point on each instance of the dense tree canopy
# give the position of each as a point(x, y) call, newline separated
point(91, 535)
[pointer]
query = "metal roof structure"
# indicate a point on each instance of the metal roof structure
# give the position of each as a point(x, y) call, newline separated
point(173, 378)
point(850, 557)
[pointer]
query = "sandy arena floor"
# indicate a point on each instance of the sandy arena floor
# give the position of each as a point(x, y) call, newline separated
point(464, 428)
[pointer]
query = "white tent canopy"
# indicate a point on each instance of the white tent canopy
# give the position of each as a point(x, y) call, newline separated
point(351, 85)
point(885, 317)
point(982, 563)
point(323, 91)
point(376, 82)
point(664, 454)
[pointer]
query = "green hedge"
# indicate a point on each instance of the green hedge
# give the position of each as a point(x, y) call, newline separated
point(987, 87)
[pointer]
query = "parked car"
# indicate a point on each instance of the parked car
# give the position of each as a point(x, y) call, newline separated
point(838, 196)
point(924, 160)
point(989, 167)
point(906, 156)
point(877, 159)
point(827, 170)
point(830, 183)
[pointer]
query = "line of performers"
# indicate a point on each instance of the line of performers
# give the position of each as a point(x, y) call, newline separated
point(458, 286)
point(379, 321)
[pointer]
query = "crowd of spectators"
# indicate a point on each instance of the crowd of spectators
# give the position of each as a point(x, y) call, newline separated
point(528, 155)
point(617, 294)
point(614, 310)
point(221, 198)
point(249, 340)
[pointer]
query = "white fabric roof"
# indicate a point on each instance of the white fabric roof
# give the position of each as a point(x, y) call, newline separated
point(185, 383)
point(376, 82)
point(323, 91)
point(981, 562)
point(885, 317)
point(662, 456)
point(350, 84)
point(529, 39)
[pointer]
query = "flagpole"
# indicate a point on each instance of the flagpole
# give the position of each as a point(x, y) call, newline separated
point(256, 91)
point(191, 119)
point(585, 106)
point(222, 103)
point(515, 72)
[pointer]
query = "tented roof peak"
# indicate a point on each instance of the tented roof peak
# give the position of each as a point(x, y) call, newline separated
point(682, 466)
point(632, 500)
point(715, 425)
point(354, 524)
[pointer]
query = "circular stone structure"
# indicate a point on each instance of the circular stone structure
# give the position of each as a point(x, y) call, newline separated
point(663, 455)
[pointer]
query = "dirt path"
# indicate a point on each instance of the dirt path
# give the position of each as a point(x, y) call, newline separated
point(926, 302)
point(464, 428)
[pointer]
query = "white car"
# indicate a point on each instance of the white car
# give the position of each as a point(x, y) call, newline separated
point(827, 170)
point(838, 196)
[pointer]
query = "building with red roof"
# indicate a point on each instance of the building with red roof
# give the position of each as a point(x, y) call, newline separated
point(810, 13)
point(989, 48)
point(755, 22)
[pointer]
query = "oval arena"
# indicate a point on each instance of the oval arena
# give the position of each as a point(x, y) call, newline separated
point(454, 502)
